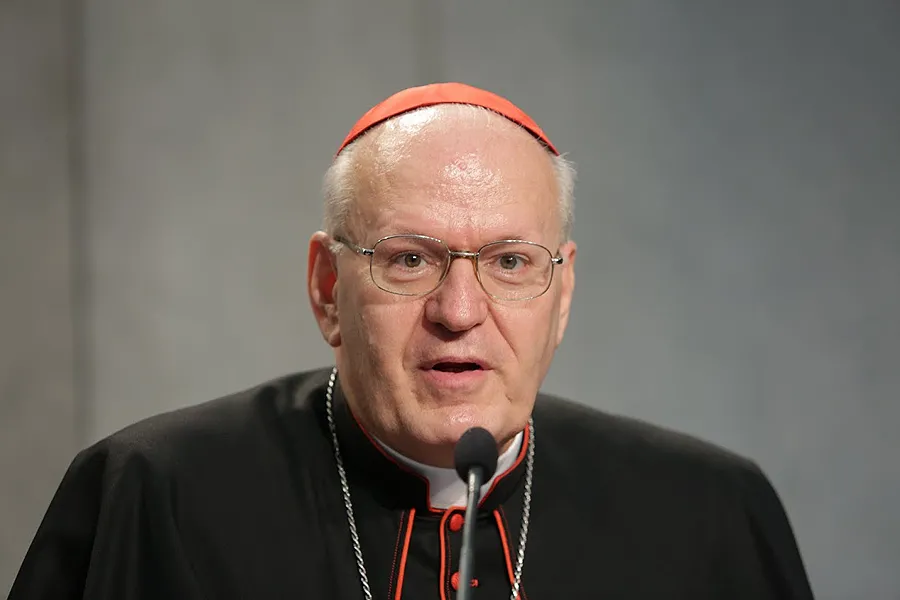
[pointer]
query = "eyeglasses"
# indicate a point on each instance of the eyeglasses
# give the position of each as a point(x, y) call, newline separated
point(415, 265)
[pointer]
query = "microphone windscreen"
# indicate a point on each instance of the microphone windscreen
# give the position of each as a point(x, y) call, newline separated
point(476, 448)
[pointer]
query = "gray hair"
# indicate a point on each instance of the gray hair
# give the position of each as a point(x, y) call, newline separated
point(339, 190)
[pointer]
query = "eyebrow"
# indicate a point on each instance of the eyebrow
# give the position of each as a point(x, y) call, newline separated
point(515, 236)
point(503, 236)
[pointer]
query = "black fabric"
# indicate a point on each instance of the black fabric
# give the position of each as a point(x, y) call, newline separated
point(240, 498)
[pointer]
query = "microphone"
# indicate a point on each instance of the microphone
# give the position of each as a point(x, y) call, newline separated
point(475, 457)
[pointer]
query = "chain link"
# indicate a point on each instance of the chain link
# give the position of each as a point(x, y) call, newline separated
point(526, 512)
point(345, 488)
point(348, 504)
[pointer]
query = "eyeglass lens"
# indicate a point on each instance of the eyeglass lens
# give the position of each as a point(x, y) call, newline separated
point(412, 265)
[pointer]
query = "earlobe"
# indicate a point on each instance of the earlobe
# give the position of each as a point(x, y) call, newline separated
point(321, 279)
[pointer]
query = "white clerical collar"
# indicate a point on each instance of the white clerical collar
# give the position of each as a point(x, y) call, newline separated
point(446, 488)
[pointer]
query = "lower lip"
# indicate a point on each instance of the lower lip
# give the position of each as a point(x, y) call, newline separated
point(455, 380)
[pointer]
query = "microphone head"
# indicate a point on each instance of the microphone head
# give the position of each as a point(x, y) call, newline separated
point(476, 448)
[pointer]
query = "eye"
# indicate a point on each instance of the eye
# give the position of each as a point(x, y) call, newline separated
point(509, 262)
point(412, 261)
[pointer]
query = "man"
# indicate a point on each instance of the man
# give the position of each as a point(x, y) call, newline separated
point(443, 282)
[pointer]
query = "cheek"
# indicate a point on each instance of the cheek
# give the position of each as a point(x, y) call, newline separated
point(354, 324)
point(382, 330)
point(531, 333)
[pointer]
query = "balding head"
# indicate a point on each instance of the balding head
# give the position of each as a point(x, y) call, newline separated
point(412, 136)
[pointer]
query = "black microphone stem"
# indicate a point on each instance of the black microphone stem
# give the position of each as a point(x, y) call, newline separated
point(466, 558)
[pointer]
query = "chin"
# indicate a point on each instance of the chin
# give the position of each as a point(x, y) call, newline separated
point(448, 424)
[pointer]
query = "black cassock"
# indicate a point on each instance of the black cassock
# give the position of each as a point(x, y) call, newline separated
point(240, 498)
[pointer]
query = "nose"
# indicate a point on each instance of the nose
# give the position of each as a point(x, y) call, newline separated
point(460, 303)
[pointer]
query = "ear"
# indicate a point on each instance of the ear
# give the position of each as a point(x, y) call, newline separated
point(321, 280)
point(568, 251)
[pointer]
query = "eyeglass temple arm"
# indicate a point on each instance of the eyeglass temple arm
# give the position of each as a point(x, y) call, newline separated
point(358, 249)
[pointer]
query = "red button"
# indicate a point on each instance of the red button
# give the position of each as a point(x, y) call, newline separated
point(456, 522)
point(454, 581)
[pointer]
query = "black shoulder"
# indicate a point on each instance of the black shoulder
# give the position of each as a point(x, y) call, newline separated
point(675, 482)
point(589, 433)
point(137, 487)
point(217, 427)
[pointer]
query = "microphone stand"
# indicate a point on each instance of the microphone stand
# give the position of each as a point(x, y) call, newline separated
point(466, 557)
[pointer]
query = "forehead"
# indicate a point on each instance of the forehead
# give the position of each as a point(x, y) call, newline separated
point(456, 170)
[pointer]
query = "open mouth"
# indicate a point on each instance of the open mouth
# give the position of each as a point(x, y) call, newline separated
point(456, 367)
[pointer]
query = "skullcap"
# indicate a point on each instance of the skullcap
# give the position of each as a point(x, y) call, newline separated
point(444, 93)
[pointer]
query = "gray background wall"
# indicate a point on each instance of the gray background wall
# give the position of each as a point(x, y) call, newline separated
point(39, 418)
point(738, 220)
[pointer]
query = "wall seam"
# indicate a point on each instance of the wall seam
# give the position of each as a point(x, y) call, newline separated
point(79, 271)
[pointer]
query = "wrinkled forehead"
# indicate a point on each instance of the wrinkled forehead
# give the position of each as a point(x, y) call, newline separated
point(453, 143)
point(454, 171)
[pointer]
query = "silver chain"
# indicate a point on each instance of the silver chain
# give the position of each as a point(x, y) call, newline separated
point(526, 512)
point(354, 535)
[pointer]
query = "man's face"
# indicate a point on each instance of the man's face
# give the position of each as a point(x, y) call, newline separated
point(407, 363)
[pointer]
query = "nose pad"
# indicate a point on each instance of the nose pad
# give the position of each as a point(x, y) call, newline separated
point(468, 270)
